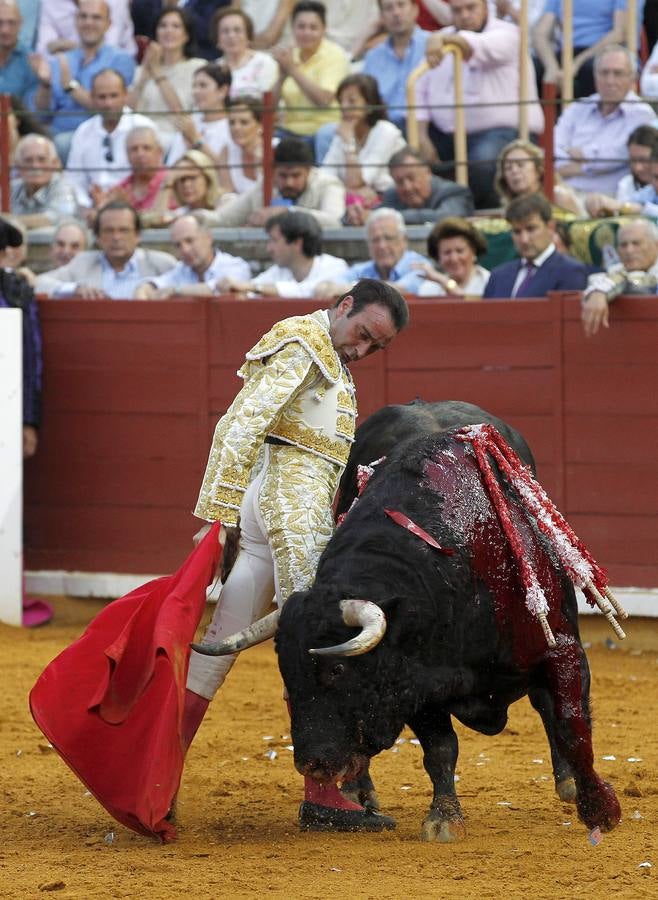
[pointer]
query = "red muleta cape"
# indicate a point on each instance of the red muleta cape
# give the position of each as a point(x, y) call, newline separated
point(111, 704)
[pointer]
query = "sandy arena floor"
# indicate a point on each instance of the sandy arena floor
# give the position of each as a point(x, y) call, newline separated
point(238, 806)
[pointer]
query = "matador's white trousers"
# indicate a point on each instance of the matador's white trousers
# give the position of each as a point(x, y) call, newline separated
point(285, 524)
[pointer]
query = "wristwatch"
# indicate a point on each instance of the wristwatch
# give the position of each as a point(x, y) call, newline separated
point(73, 85)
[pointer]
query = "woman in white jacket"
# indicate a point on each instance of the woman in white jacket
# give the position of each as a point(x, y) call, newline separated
point(364, 142)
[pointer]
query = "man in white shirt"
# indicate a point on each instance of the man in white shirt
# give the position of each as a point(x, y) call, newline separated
point(295, 246)
point(116, 268)
point(98, 159)
point(57, 27)
point(199, 270)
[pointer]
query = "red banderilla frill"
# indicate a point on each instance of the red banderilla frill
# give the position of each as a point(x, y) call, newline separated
point(578, 562)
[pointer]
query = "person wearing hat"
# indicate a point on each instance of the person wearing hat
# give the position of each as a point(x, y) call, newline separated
point(16, 293)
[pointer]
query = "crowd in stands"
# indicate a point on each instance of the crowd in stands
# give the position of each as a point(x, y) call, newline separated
point(127, 115)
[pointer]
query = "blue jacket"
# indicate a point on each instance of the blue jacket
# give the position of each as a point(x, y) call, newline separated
point(559, 273)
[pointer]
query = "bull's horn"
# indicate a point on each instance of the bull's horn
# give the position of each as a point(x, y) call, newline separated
point(373, 624)
point(250, 636)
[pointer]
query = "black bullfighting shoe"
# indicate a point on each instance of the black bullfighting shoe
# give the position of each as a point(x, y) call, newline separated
point(313, 817)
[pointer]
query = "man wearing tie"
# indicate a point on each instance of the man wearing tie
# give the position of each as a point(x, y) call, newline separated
point(541, 268)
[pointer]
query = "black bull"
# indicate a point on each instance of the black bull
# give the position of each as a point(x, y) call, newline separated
point(458, 642)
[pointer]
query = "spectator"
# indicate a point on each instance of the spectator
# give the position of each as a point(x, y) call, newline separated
point(199, 270)
point(455, 245)
point(114, 270)
point(520, 172)
point(392, 61)
point(295, 246)
point(65, 79)
point(309, 74)
point(206, 128)
point(541, 268)
point(194, 186)
point(145, 15)
point(642, 144)
point(145, 189)
point(421, 196)
point(163, 82)
point(57, 27)
point(364, 141)
point(240, 162)
point(635, 273)
point(645, 200)
point(596, 23)
point(490, 48)
point(390, 258)
point(40, 194)
point(16, 293)
point(98, 159)
point(252, 71)
point(15, 255)
point(16, 72)
point(591, 134)
point(296, 183)
point(69, 239)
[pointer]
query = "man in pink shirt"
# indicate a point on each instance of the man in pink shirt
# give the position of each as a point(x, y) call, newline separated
point(490, 50)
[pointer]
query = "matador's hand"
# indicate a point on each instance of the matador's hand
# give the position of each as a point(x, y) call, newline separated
point(231, 549)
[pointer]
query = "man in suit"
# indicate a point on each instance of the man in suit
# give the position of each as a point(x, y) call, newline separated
point(541, 268)
point(113, 271)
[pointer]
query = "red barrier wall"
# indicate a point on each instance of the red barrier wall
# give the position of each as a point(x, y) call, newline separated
point(133, 390)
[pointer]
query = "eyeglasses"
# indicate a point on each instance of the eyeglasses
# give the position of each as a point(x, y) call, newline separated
point(107, 146)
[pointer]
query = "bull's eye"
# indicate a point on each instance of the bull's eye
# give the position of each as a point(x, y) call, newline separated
point(329, 676)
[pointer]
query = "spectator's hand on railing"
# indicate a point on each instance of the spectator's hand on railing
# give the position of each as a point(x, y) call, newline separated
point(595, 313)
point(325, 290)
point(87, 292)
point(438, 44)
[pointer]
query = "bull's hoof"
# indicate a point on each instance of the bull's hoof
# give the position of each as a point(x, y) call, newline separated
point(443, 831)
point(362, 791)
point(313, 817)
point(566, 790)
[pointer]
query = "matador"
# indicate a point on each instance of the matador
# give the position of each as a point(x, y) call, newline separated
point(274, 466)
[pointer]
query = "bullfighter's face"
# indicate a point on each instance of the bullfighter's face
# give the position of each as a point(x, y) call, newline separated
point(355, 335)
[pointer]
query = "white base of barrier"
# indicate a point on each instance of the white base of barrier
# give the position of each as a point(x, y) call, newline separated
point(636, 601)
point(11, 466)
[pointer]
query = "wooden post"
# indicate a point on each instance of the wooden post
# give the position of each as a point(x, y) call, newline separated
point(524, 57)
point(268, 151)
point(567, 50)
point(5, 164)
point(631, 32)
point(460, 152)
point(549, 100)
point(412, 121)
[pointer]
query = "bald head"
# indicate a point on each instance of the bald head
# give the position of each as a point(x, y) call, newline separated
point(193, 242)
point(36, 161)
